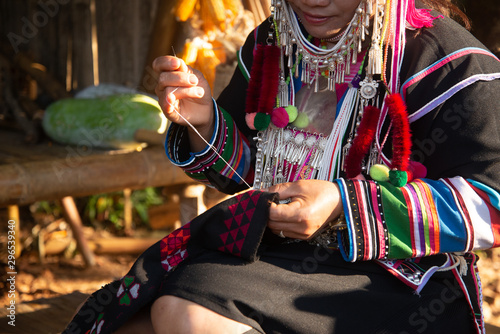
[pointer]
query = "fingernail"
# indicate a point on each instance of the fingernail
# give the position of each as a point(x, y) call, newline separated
point(176, 63)
point(193, 79)
point(200, 91)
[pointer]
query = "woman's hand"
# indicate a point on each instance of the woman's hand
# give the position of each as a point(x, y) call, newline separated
point(184, 89)
point(313, 203)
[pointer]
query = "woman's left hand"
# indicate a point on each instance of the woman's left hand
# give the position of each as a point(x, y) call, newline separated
point(313, 203)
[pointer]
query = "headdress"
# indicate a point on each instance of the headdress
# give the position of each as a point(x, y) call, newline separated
point(286, 152)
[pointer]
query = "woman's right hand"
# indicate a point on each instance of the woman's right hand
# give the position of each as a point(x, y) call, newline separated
point(186, 90)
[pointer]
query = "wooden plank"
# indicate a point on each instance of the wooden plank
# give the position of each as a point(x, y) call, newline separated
point(45, 315)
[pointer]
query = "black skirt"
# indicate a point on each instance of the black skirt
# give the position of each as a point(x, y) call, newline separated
point(300, 288)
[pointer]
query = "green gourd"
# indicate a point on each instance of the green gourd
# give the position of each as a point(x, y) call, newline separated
point(104, 122)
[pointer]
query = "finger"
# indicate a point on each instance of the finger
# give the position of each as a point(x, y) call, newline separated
point(169, 63)
point(287, 190)
point(288, 233)
point(176, 79)
point(188, 92)
point(285, 212)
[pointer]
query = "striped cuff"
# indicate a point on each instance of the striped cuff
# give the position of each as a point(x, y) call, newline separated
point(226, 148)
point(366, 237)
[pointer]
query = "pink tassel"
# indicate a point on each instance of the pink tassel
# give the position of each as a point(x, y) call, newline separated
point(419, 17)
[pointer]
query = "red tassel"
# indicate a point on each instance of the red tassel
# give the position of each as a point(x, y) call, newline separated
point(270, 79)
point(253, 90)
point(361, 144)
point(401, 137)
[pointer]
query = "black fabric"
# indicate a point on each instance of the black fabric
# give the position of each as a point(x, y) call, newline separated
point(299, 288)
point(236, 226)
point(460, 137)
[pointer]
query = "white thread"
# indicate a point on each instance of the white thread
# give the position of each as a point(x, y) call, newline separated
point(206, 142)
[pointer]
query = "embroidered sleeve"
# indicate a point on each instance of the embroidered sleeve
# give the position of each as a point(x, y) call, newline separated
point(423, 218)
point(218, 164)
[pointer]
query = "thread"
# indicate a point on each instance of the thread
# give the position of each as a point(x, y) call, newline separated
point(206, 142)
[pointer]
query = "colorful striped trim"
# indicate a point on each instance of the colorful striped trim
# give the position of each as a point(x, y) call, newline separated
point(346, 243)
point(478, 211)
point(448, 215)
point(440, 63)
point(366, 236)
point(241, 65)
point(449, 93)
point(492, 200)
point(418, 277)
point(173, 140)
point(425, 231)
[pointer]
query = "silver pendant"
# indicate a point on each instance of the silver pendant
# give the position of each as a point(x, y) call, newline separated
point(368, 88)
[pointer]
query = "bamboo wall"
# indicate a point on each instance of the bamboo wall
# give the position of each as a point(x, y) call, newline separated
point(66, 36)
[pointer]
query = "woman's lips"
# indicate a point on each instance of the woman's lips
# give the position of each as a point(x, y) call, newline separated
point(314, 19)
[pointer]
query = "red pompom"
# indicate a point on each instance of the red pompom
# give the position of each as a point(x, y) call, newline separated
point(419, 170)
point(280, 117)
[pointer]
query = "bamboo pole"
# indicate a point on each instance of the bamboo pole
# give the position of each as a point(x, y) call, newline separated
point(83, 175)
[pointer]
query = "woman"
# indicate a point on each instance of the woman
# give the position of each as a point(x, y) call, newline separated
point(370, 234)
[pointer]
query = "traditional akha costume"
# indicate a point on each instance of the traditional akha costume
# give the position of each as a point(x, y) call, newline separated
point(402, 114)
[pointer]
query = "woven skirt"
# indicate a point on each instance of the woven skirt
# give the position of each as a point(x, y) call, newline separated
point(300, 288)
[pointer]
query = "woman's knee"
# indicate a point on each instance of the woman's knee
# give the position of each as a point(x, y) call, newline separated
point(182, 316)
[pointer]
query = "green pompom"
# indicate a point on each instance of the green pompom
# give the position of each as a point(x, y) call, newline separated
point(301, 121)
point(292, 113)
point(261, 121)
point(379, 173)
point(398, 178)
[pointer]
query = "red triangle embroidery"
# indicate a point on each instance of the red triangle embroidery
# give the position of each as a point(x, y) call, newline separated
point(233, 208)
point(239, 244)
point(244, 203)
point(234, 233)
point(238, 219)
point(249, 213)
point(229, 222)
point(230, 247)
point(223, 236)
point(244, 229)
point(255, 197)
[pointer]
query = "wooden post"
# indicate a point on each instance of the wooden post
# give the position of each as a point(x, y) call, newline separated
point(13, 213)
point(127, 211)
point(191, 202)
point(73, 219)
